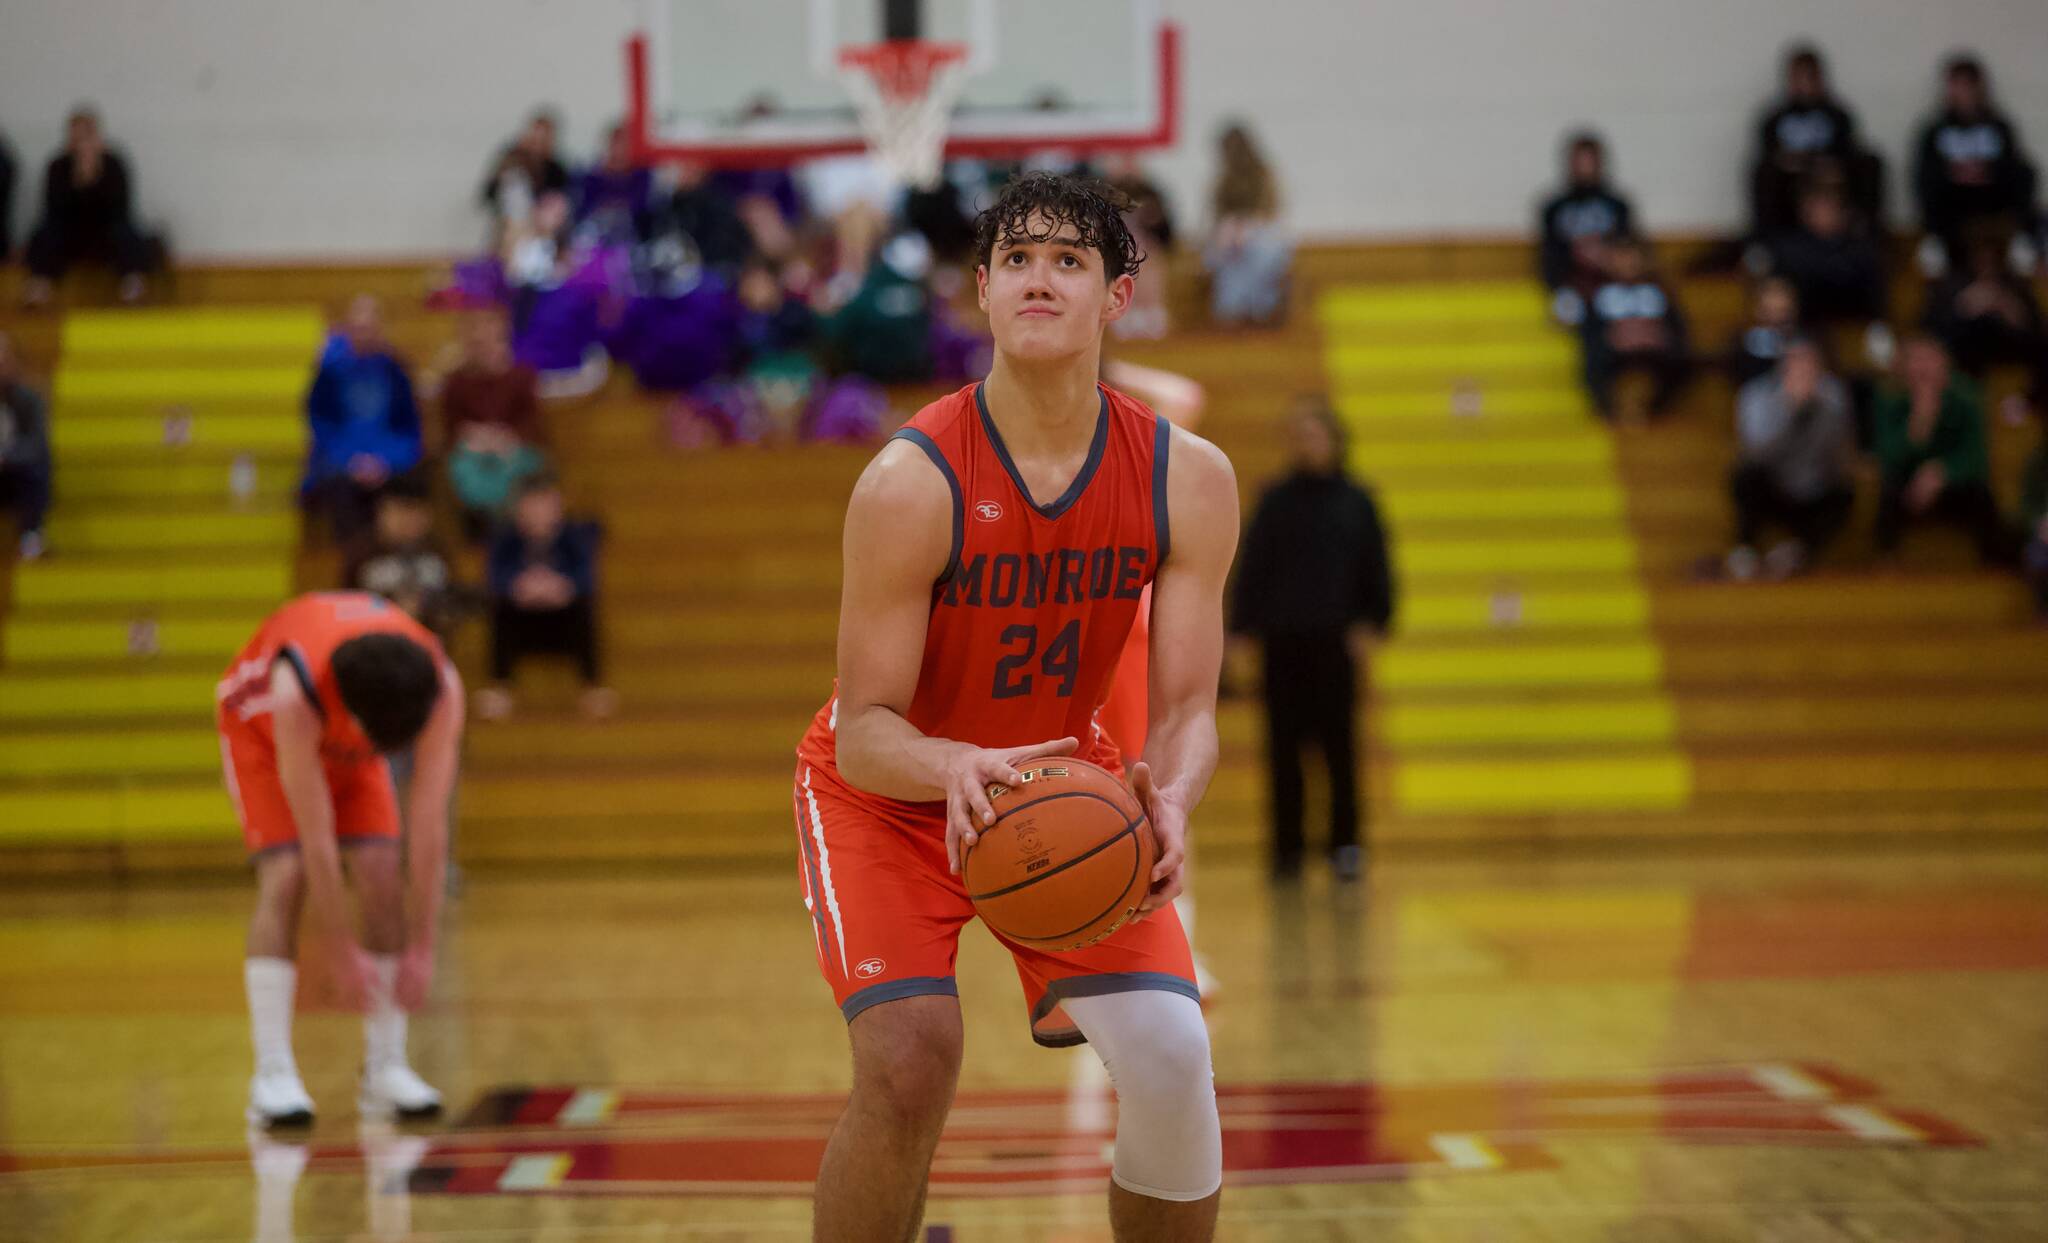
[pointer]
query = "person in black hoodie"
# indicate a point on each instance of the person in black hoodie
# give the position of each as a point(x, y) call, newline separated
point(1577, 223)
point(1970, 168)
point(1988, 315)
point(1831, 260)
point(86, 213)
point(1807, 135)
point(1315, 590)
point(1633, 323)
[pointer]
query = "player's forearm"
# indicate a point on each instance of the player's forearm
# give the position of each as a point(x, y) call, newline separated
point(320, 856)
point(1180, 749)
point(882, 753)
point(426, 867)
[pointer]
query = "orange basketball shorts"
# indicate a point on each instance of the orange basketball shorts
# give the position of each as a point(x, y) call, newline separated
point(886, 915)
point(365, 804)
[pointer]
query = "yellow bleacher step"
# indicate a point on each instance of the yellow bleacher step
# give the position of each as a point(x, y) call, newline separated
point(112, 531)
point(1488, 405)
point(281, 430)
point(111, 383)
point(178, 475)
point(1529, 785)
point(114, 754)
point(1417, 502)
point(32, 639)
point(59, 582)
point(1539, 361)
point(28, 696)
point(295, 332)
point(1622, 605)
point(1647, 718)
point(191, 809)
point(1387, 461)
point(1511, 304)
point(1622, 660)
point(1429, 556)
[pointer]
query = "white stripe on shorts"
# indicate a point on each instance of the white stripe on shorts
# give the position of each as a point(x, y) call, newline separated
point(825, 872)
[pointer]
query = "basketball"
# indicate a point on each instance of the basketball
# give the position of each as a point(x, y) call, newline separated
point(1067, 860)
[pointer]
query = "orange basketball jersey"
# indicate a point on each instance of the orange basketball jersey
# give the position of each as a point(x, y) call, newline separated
point(302, 636)
point(1031, 613)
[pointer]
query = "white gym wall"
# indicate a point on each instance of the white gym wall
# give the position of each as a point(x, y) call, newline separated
point(359, 128)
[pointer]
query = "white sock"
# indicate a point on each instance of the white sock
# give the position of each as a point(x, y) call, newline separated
point(272, 985)
point(384, 1024)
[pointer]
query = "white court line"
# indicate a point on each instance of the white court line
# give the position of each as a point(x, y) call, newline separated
point(534, 1171)
point(588, 1107)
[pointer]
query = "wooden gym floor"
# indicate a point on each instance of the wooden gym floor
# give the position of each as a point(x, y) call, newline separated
point(1792, 1043)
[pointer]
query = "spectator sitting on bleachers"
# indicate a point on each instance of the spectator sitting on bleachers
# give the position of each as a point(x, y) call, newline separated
point(1931, 453)
point(365, 423)
point(1831, 260)
point(704, 210)
point(884, 330)
point(1987, 315)
point(24, 453)
point(2034, 521)
point(767, 204)
point(87, 213)
point(1575, 226)
point(524, 170)
point(490, 413)
point(776, 337)
point(1633, 323)
point(1969, 167)
point(615, 196)
point(1809, 136)
point(1759, 345)
point(1249, 254)
point(1796, 435)
point(857, 198)
point(402, 561)
point(543, 586)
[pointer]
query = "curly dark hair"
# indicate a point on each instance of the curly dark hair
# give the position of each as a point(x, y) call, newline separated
point(1036, 206)
point(389, 684)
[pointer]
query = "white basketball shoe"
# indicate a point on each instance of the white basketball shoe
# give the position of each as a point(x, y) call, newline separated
point(393, 1090)
point(277, 1100)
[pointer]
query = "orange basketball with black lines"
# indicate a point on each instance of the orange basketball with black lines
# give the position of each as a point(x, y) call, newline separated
point(1067, 860)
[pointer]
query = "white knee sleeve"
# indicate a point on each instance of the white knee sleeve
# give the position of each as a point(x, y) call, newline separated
point(1169, 1144)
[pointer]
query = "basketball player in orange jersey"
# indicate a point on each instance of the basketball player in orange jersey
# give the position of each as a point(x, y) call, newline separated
point(329, 685)
point(995, 553)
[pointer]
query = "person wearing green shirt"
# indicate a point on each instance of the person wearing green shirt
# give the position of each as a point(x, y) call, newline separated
point(1932, 455)
point(2034, 523)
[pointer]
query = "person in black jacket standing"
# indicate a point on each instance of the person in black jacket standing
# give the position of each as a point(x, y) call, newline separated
point(1314, 588)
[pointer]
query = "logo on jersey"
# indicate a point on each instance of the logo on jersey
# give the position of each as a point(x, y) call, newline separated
point(988, 511)
point(869, 968)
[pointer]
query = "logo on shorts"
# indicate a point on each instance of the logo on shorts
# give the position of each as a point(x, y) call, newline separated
point(869, 968)
point(988, 511)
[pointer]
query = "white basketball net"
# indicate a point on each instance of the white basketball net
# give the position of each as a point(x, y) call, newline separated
point(904, 93)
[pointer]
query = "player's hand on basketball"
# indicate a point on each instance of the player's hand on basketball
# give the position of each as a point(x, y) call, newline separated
point(415, 975)
point(967, 782)
point(1169, 833)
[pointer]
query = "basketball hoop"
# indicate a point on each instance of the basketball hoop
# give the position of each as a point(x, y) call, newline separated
point(904, 91)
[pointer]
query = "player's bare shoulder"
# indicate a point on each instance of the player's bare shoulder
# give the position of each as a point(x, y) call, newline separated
point(1201, 497)
point(902, 511)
